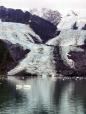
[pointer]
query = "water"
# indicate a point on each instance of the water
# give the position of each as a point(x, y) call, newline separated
point(42, 96)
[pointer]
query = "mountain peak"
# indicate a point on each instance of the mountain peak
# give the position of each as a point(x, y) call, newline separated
point(68, 21)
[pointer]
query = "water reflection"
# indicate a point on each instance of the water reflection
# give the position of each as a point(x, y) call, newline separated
point(45, 96)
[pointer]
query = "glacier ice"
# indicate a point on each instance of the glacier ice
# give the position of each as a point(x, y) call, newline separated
point(41, 60)
point(71, 41)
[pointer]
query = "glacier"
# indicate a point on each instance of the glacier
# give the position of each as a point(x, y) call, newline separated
point(70, 42)
point(39, 59)
point(64, 54)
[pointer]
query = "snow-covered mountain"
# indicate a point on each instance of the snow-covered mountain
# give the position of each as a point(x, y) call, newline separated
point(50, 15)
point(65, 54)
point(68, 21)
point(72, 20)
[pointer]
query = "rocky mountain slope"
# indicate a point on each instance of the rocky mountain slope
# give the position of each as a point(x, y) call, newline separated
point(50, 15)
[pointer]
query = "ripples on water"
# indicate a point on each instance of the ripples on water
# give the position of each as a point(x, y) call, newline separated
point(43, 96)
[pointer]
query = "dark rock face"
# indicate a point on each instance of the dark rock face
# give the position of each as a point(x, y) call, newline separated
point(5, 58)
point(12, 15)
point(17, 52)
point(10, 55)
point(45, 29)
point(75, 27)
point(79, 59)
point(84, 28)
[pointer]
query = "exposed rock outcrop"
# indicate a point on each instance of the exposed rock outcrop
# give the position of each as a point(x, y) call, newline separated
point(5, 58)
point(50, 15)
point(44, 29)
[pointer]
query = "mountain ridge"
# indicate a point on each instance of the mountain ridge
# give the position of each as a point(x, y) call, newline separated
point(45, 29)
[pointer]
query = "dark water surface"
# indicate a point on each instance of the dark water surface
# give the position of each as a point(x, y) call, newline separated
point(42, 96)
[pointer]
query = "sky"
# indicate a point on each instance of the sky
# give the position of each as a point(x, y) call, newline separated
point(60, 5)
